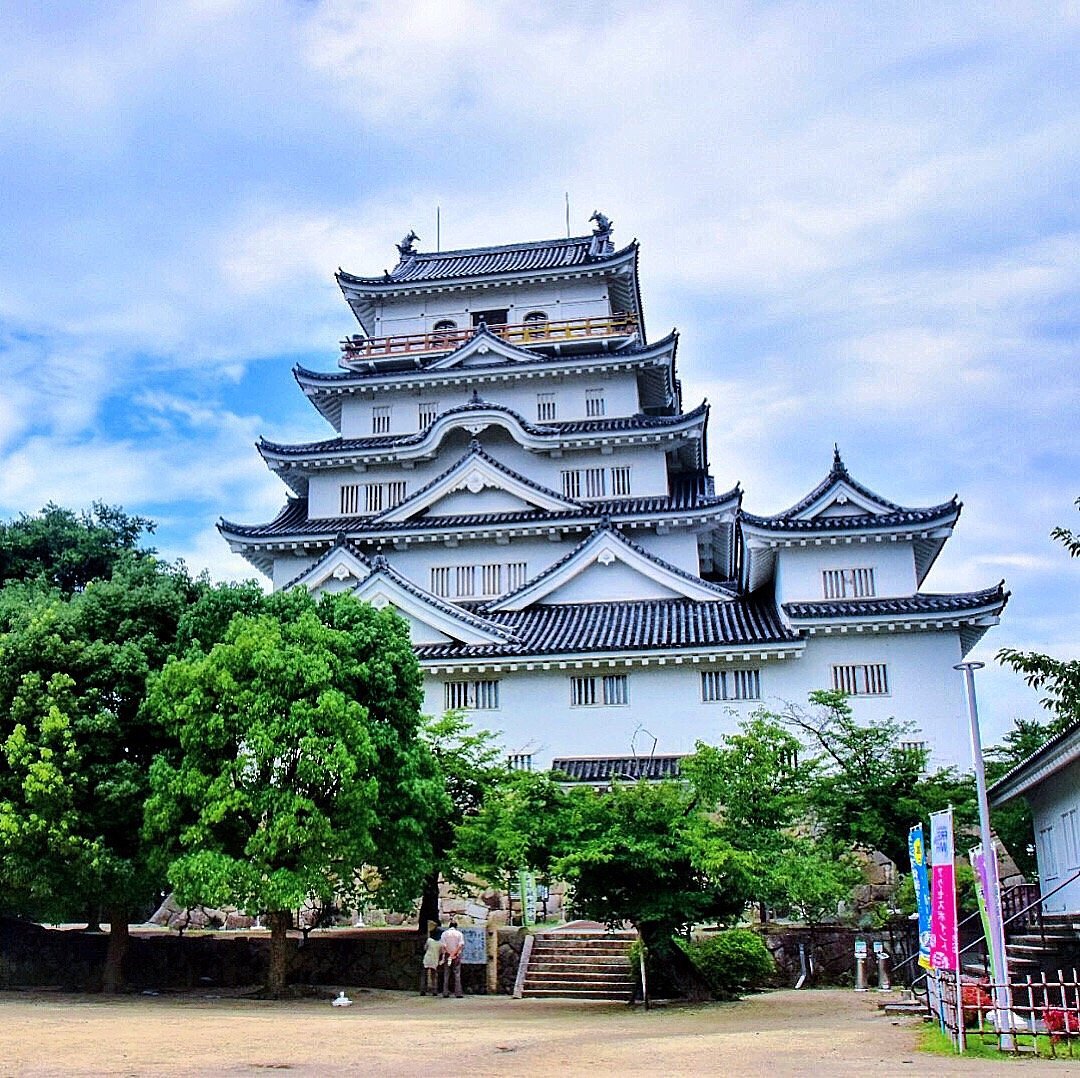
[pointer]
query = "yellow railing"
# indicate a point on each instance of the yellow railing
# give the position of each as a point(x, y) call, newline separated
point(445, 340)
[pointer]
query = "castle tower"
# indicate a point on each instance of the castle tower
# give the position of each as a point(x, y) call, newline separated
point(512, 469)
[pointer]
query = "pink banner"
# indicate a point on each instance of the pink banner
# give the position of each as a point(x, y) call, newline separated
point(943, 934)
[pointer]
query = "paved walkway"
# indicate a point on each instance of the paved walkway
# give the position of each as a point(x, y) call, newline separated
point(821, 1033)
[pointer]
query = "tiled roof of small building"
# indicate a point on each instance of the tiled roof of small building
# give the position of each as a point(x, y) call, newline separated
point(554, 429)
point(637, 625)
point(894, 515)
point(900, 607)
point(482, 261)
point(861, 520)
point(605, 768)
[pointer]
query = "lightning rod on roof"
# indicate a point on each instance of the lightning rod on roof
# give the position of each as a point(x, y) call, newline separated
point(567, 214)
point(438, 228)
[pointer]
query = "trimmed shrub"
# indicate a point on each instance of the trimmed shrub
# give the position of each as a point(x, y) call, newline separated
point(732, 961)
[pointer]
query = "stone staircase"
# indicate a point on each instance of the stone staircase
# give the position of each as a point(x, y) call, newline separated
point(580, 965)
point(1056, 947)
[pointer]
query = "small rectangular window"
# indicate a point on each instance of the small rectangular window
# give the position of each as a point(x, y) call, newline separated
point(861, 679)
point(1070, 838)
point(515, 575)
point(594, 403)
point(847, 583)
point(615, 690)
point(1048, 862)
point(620, 481)
point(545, 406)
point(494, 317)
point(571, 483)
point(466, 580)
point(440, 581)
point(350, 499)
point(745, 685)
point(380, 419)
point(429, 412)
point(712, 686)
point(582, 691)
point(472, 695)
point(491, 579)
point(595, 484)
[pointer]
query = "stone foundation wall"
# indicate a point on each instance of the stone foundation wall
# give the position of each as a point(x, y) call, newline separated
point(833, 951)
point(35, 957)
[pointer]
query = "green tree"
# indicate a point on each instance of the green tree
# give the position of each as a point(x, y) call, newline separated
point(300, 773)
point(650, 854)
point(1059, 679)
point(868, 788)
point(67, 550)
point(73, 671)
point(472, 767)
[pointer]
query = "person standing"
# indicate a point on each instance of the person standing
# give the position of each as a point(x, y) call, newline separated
point(432, 961)
point(452, 945)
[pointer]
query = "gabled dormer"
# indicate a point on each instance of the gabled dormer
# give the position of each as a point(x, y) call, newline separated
point(843, 541)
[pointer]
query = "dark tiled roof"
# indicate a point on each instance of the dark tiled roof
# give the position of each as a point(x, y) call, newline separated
point(554, 430)
point(909, 605)
point(293, 519)
point(895, 519)
point(894, 514)
point(481, 261)
point(606, 768)
point(576, 628)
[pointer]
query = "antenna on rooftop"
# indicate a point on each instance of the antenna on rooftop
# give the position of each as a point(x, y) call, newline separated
point(567, 214)
point(438, 228)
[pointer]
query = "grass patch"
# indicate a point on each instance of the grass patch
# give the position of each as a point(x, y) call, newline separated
point(933, 1041)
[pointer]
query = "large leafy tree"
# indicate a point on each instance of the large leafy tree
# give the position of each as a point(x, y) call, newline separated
point(66, 550)
point(649, 854)
point(78, 747)
point(300, 774)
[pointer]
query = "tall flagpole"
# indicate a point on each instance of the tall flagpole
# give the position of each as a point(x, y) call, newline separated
point(999, 956)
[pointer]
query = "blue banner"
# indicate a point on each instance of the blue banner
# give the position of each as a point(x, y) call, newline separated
point(917, 852)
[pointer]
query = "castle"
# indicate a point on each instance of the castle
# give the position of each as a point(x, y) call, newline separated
point(513, 470)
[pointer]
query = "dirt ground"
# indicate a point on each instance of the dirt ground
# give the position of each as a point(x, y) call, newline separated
point(822, 1033)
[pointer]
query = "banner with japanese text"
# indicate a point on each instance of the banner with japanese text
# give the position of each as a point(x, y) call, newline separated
point(989, 912)
point(919, 877)
point(943, 933)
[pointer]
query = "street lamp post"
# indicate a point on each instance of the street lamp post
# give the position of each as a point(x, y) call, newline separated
point(999, 959)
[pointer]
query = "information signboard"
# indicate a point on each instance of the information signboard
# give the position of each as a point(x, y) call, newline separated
point(475, 953)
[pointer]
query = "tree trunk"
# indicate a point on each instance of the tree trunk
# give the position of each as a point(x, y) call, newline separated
point(670, 965)
point(429, 903)
point(279, 952)
point(113, 977)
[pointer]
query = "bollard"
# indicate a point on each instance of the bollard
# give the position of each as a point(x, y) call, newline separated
point(884, 982)
point(860, 965)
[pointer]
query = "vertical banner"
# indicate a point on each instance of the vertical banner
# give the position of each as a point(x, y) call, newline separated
point(917, 853)
point(989, 911)
point(943, 933)
point(527, 891)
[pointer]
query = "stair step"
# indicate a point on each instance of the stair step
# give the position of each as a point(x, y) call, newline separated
point(577, 978)
point(582, 967)
point(572, 993)
point(1055, 937)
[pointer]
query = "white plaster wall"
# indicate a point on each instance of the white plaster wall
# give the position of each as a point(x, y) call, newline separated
point(289, 566)
point(1056, 795)
point(620, 399)
point(586, 298)
point(666, 700)
point(798, 572)
point(679, 547)
point(648, 475)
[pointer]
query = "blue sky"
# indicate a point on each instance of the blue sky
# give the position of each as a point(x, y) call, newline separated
point(862, 218)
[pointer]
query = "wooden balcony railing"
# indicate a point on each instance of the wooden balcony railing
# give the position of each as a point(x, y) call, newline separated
point(445, 340)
